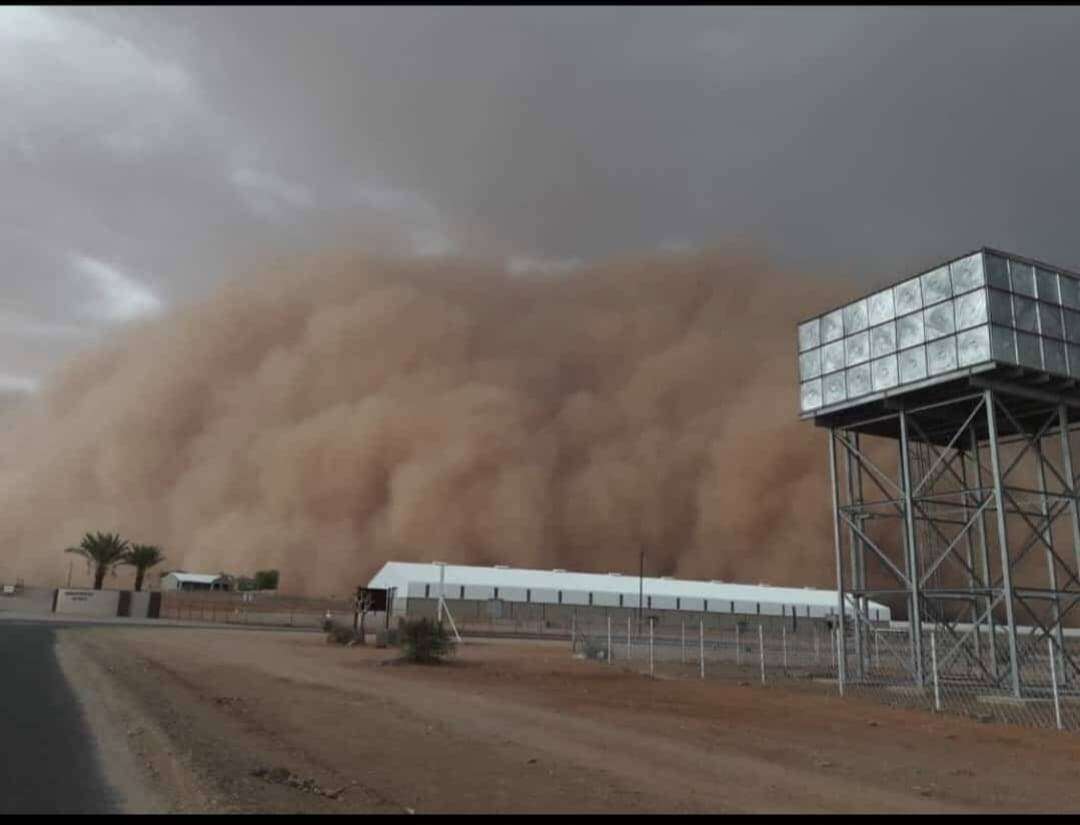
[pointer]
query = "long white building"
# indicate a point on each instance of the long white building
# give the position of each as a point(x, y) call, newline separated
point(559, 587)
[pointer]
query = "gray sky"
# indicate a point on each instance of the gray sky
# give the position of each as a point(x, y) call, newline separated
point(150, 152)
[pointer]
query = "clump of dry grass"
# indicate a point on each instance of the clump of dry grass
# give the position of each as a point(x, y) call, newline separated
point(342, 635)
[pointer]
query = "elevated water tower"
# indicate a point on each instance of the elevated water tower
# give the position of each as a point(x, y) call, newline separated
point(949, 398)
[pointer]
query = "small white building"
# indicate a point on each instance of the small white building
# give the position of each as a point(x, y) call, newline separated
point(512, 584)
point(179, 580)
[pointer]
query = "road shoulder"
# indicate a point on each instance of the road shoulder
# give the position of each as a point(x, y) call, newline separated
point(135, 754)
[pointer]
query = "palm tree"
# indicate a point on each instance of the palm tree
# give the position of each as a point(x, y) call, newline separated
point(142, 557)
point(102, 552)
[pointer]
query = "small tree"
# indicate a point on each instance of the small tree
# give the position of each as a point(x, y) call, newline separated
point(142, 557)
point(266, 579)
point(425, 640)
point(102, 551)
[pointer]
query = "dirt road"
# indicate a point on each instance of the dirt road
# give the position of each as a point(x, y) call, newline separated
point(523, 727)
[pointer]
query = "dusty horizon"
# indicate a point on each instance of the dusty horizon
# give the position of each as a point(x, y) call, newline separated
point(349, 409)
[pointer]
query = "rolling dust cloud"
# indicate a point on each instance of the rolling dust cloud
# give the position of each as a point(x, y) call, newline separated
point(341, 411)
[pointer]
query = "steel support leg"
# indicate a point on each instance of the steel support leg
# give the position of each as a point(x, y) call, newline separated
point(1003, 540)
point(834, 487)
point(856, 552)
point(911, 560)
point(1074, 513)
point(969, 546)
point(984, 559)
point(1051, 572)
point(860, 571)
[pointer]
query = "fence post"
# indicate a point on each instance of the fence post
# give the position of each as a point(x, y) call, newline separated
point(1053, 680)
point(651, 623)
point(783, 642)
point(609, 651)
point(877, 653)
point(933, 664)
point(701, 654)
point(837, 641)
point(761, 649)
point(684, 641)
point(738, 647)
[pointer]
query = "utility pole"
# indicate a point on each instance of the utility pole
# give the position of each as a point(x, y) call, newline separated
point(443, 606)
point(641, 592)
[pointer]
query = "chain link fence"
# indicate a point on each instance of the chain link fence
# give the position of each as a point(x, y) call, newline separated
point(253, 608)
point(970, 676)
point(964, 676)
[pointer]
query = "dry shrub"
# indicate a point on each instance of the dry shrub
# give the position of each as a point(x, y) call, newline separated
point(342, 635)
point(425, 640)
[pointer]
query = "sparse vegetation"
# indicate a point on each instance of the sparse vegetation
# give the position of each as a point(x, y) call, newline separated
point(595, 649)
point(425, 640)
point(263, 580)
point(338, 634)
point(142, 557)
point(102, 551)
point(266, 579)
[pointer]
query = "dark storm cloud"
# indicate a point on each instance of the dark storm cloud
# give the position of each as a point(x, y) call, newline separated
point(150, 152)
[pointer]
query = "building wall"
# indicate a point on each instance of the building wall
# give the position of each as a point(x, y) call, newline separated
point(610, 601)
point(170, 582)
point(537, 617)
point(609, 590)
point(101, 603)
point(87, 602)
point(140, 603)
point(29, 600)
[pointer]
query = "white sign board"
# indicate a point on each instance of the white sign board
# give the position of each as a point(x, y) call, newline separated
point(88, 602)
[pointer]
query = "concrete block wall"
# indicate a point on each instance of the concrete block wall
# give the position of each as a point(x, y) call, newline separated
point(29, 600)
point(102, 603)
point(87, 602)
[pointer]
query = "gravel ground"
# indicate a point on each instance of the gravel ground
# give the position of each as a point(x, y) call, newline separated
point(246, 721)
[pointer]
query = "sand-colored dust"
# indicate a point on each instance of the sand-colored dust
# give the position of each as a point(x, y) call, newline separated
point(334, 413)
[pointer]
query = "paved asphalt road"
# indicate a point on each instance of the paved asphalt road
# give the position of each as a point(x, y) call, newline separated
point(47, 758)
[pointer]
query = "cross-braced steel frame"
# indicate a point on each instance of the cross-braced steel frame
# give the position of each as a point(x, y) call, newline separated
point(946, 518)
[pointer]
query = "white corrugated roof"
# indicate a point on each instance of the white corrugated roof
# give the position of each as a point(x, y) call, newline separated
point(195, 578)
point(400, 574)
